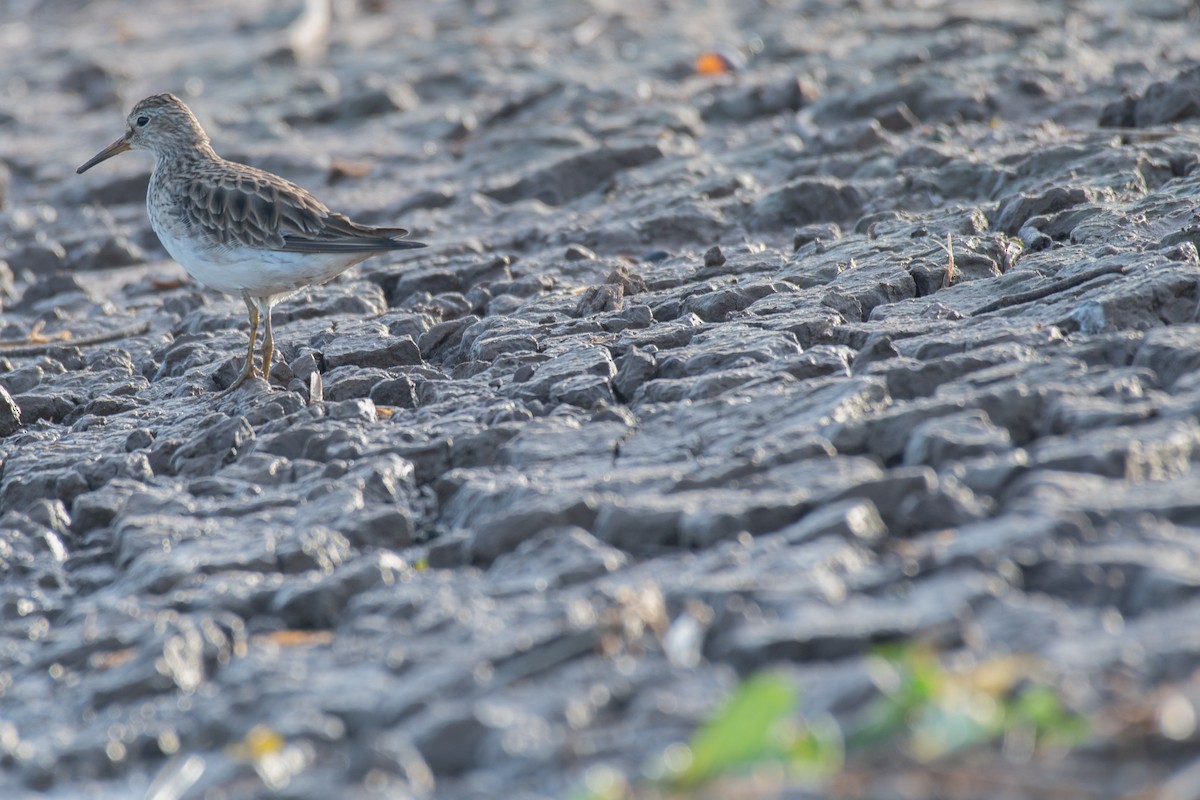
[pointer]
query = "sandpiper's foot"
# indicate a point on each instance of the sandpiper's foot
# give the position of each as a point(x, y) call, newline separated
point(249, 372)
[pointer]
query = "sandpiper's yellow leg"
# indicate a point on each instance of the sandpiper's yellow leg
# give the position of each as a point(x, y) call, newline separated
point(248, 371)
point(268, 347)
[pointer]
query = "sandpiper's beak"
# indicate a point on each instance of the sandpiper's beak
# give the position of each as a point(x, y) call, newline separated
point(116, 148)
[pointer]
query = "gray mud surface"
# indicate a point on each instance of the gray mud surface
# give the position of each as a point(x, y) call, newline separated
point(688, 385)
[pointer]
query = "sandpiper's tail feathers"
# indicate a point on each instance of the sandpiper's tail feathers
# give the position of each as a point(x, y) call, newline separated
point(341, 235)
point(372, 244)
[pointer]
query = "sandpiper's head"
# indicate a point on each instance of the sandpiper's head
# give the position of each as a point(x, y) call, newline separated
point(161, 124)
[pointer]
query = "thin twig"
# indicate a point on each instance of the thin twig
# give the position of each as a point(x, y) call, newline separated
point(17, 347)
point(951, 267)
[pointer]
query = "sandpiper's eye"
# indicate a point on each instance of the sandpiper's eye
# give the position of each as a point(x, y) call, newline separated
point(142, 120)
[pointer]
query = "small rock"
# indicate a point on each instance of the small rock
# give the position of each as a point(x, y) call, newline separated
point(1119, 113)
point(503, 533)
point(56, 285)
point(303, 366)
point(805, 201)
point(52, 514)
point(451, 550)
point(716, 306)
point(1162, 103)
point(639, 524)
point(637, 367)
point(215, 445)
point(390, 528)
point(491, 346)
point(97, 509)
point(955, 437)
point(321, 549)
point(366, 102)
point(898, 118)
point(576, 174)
point(444, 337)
point(95, 83)
point(635, 316)
point(41, 257)
point(346, 383)
point(888, 492)
point(478, 297)
point(1016, 211)
point(383, 353)
point(713, 257)
point(598, 299)
point(630, 282)
point(759, 97)
point(852, 519)
point(106, 191)
point(403, 286)
point(816, 232)
point(450, 741)
point(395, 392)
point(577, 252)
point(138, 439)
point(10, 414)
point(584, 391)
point(556, 557)
point(878, 348)
point(118, 251)
point(53, 407)
point(572, 364)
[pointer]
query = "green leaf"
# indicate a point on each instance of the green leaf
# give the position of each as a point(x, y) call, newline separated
point(1041, 707)
point(918, 681)
point(818, 750)
point(747, 729)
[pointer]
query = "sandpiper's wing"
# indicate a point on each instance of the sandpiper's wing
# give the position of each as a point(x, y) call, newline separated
point(339, 234)
point(236, 204)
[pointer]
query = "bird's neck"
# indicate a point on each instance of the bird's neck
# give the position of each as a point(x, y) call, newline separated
point(200, 152)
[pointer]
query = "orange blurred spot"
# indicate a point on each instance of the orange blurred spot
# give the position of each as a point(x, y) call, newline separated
point(37, 337)
point(293, 638)
point(341, 168)
point(111, 659)
point(261, 742)
point(712, 63)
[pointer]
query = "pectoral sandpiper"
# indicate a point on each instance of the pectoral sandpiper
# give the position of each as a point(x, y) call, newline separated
point(235, 228)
